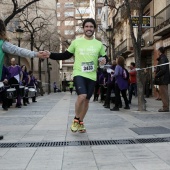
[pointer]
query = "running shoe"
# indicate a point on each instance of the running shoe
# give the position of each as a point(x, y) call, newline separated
point(81, 128)
point(74, 126)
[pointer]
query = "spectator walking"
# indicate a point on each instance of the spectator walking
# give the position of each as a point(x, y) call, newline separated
point(133, 85)
point(55, 87)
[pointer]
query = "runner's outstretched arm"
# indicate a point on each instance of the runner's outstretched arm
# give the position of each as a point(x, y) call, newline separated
point(60, 56)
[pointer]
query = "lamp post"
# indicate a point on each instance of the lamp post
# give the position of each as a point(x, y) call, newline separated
point(19, 35)
point(109, 35)
point(49, 68)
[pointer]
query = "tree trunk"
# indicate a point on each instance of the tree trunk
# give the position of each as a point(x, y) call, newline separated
point(140, 88)
point(137, 51)
point(39, 68)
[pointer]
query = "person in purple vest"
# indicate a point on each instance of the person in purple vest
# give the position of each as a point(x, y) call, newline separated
point(24, 80)
point(15, 79)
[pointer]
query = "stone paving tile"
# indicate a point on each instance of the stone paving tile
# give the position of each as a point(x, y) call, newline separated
point(150, 164)
point(3, 151)
point(122, 166)
point(162, 150)
point(83, 167)
point(83, 160)
point(76, 136)
point(16, 158)
point(19, 120)
point(46, 158)
point(77, 149)
point(135, 152)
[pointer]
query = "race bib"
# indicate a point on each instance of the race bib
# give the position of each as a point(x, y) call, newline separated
point(87, 66)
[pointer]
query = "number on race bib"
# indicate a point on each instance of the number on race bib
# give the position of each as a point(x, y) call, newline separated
point(88, 67)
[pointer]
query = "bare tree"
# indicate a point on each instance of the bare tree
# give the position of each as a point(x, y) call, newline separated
point(17, 9)
point(34, 21)
point(138, 6)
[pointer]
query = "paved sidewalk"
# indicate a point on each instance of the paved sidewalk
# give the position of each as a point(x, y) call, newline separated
point(49, 120)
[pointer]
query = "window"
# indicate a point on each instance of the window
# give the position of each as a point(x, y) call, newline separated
point(99, 11)
point(68, 32)
point(58, 14)
point(79, 29)
point(69, 4)
point(69, 23)
point(69, 14)
point(58, 23)
point(58, 5)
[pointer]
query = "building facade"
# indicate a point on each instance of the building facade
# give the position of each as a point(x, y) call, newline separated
point(71, 15)
point(45, 9)
point(153, 37)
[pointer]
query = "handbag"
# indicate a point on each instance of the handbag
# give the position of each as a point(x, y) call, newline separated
point(157, 81)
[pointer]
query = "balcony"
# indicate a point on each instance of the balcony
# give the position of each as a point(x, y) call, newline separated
point(162, 22)
point(125, 48)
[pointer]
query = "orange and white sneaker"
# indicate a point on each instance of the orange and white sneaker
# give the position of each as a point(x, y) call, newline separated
point(81, 127)
point(75, 125)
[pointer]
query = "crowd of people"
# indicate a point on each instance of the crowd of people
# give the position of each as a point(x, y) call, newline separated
point(117, 79)
point(15, 78)
point(113, 81)
point(16, 84)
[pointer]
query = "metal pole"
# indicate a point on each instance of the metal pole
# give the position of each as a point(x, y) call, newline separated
point(109, 49)
point(32, 43)
point(48, 73)
point(19, 43)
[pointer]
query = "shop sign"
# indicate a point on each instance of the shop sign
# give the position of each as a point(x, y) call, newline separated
point(146, 21)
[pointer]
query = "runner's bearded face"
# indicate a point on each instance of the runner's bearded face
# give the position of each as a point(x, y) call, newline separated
point(88, 29)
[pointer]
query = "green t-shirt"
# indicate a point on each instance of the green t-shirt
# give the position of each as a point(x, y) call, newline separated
point(86, 53)
point(1, 58)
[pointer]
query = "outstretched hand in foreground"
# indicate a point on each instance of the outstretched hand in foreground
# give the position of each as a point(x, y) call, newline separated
point(43, 54)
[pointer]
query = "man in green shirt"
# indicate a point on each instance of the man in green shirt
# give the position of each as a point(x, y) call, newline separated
point(86, 51)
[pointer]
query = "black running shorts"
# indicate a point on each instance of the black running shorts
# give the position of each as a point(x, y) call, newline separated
point(84, 85)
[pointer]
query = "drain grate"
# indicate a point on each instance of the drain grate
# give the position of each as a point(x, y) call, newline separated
point(84, 143)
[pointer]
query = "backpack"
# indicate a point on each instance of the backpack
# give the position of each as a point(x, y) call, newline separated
point(125, 74)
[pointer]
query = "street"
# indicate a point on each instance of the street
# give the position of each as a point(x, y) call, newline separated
point(113, 141)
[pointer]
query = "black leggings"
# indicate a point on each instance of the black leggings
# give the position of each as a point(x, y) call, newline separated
point(118, 98)
point(84, 85)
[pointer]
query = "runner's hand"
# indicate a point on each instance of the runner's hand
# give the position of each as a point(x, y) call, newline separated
point(43, 54)
point(103, 61)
